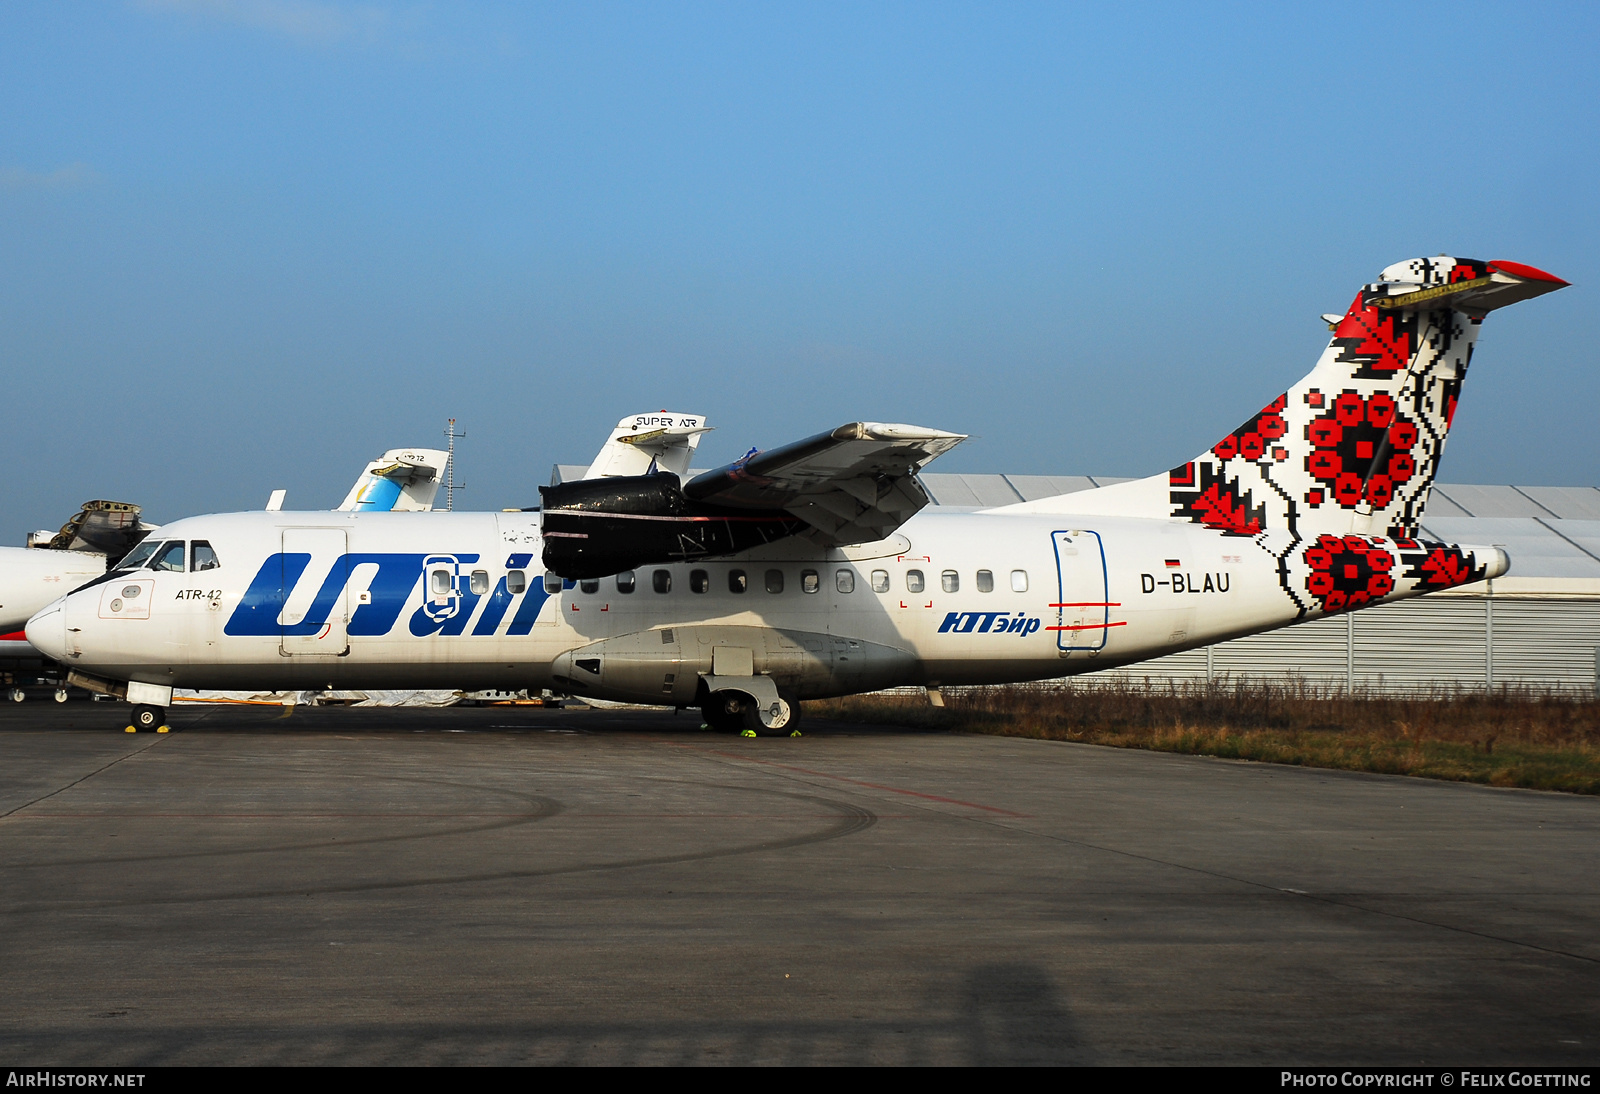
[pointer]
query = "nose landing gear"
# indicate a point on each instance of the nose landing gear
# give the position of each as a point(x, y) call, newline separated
point(148, 717)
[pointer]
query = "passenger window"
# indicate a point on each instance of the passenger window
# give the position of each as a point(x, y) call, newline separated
point(738, 581)
point(139, 555)
point(880, 581)
point(774, 581)
point(480, 582)
point(1019, 581)
point(950, 581)
point(810, 581)
point(552, 583)
point(590, 585)
point(170, 557)
point(440, 582)
point(986, 581)
point(202, 557)
point(516, 582)
point(626, 581)
point(699, 581)
point(845, 581)
point(661, 580)
point(914, 581)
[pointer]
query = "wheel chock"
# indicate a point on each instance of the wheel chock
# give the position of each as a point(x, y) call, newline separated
point(794, 733)
point(130, 729)
point(164, 729)
point(748, 733)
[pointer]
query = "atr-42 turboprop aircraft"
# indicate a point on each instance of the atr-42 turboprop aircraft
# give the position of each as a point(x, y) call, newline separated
point(807, 571)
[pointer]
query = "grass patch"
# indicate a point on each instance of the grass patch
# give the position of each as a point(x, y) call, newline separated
point(1504, 738)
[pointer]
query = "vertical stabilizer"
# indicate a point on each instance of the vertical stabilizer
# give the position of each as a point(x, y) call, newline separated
point(401, 480)
point(664, 441)
point(1355, 446)
point(1331, 478)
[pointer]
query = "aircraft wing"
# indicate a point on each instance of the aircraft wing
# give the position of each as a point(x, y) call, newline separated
point(853, 484)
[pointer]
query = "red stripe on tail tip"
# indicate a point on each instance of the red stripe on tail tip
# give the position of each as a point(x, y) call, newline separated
point(1532, 273)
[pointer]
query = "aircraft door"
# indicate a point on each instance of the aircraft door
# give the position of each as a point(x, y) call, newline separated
point(441, 593)
point(316, 598)
point(1082, 611)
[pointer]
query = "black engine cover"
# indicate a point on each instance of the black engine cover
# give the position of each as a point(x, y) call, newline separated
point(597, 527)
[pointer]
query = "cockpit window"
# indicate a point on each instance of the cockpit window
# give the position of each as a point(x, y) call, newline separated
point(170, 557)
point(139, 555)
point(202, 557)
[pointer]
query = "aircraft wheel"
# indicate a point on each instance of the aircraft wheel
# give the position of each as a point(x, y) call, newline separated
point(778, 722)
point(61, 695)
point(724, 712)
point(17, 695)
point(148, 717)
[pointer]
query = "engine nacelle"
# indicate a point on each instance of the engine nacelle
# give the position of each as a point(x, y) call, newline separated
point(597, 527)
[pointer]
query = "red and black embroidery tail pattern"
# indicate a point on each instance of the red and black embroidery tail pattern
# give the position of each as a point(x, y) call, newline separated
point(1350, 452)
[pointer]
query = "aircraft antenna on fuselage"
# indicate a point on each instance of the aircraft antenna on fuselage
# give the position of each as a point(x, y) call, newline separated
point(450, 467)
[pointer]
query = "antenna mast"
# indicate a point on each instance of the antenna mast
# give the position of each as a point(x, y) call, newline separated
point(450, 467)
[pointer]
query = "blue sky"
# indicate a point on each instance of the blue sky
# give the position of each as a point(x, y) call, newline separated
point(248, 244)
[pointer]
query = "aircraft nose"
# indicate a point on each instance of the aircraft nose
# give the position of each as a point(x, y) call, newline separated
point(47, 631)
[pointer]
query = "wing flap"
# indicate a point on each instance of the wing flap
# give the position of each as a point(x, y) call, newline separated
point(852, 484)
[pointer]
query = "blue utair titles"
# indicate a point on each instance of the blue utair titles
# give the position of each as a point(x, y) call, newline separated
point(988, 623)
point(397, 577)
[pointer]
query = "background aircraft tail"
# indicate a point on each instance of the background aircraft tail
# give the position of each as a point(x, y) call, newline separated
point(664, 440)
point(401, 480)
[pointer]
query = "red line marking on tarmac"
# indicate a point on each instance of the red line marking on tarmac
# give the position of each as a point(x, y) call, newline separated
point(430, 816)
point(875, 786)
point(271, 816)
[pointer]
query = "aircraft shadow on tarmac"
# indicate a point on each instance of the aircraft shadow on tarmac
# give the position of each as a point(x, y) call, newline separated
point(996, 1015)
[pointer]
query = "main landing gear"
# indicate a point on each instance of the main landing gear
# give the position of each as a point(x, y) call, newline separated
point(148, 717)
point(736, 712)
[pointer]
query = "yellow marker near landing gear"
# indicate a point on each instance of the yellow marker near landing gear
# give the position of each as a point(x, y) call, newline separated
point(130, 729)
point(164, 729)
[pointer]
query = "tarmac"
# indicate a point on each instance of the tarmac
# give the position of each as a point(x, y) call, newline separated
point(508, 885)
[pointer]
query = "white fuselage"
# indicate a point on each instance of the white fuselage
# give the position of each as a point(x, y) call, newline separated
point(32, 577)
point(433, 600)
